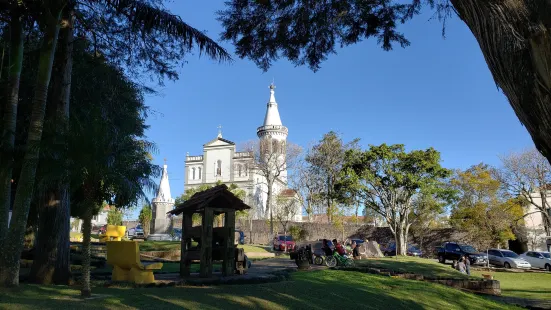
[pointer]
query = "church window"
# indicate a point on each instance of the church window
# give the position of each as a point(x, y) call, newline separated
point(239, 170)
point(199, 169)
point(274, 146)
point(193, 173)
point(219, 168)
point(246, 169)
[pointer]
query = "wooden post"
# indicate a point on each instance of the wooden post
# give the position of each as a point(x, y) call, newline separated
point(229, 245)
point(185, 264)
point(206, 243)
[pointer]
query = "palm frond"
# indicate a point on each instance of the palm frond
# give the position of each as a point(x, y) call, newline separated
point(150, 18)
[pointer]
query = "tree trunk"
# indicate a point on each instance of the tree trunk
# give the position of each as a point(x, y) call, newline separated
point(269, 207)
point(87, 227)
point(13, 244)
point(401, 239)
point(515, 39)
point(52, 254)
point(10, 121)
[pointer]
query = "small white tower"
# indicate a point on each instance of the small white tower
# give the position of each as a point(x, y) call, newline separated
point(273, 135)
point(162, 204)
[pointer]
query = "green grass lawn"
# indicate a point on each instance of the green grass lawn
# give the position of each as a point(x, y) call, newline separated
point(408, 264)
point(327, 289)
point(526, 285)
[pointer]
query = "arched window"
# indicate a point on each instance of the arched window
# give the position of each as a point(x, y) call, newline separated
point(199, 169)
point(239, 170)
point(219, 168)
point(246, 169)
point(274, 146)
point(193, 173)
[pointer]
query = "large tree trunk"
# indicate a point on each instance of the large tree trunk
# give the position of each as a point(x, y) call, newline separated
point(52, 255)
point(7, 141)
point(87, 231)
point(515, 39)
point(13, 244)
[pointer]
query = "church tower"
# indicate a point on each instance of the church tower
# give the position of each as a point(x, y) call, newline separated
point(162, 204)
point(273, 135)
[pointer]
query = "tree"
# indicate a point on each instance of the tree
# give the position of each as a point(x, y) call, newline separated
point(425, 214)
point(308, 184)
point(326, 159)
point(527, 175)
point(145, 218)
point(386, 179)
point(270, 160)
point(481, 211)
point(285, 211)
point(143, 20)
point(114, 216)
point(306, 33)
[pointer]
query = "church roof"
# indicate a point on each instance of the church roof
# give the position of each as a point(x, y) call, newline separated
point(272, 113)
point(219, 138)
point(163, 195)
point(218, 197)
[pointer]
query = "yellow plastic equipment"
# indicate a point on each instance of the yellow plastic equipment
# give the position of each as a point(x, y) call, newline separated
point(113, 233)
point(124, 256)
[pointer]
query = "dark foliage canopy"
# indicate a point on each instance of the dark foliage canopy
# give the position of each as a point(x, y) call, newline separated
point(307, 31)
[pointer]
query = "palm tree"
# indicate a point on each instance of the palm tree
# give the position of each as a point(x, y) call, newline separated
point(144, 18)
point(7, 140)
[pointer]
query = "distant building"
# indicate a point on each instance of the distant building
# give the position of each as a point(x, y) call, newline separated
point(221, 162)
point(537, 239)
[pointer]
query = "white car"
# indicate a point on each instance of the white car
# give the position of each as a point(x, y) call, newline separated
point(538, 259)
point(507, 259)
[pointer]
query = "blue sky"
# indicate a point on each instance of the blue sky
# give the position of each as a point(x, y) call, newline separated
point(436, 93)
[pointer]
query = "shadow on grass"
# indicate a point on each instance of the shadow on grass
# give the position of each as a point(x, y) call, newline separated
point(326, 289)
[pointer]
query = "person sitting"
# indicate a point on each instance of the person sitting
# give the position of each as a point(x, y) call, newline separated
point(339, 248)
point(326, 248)
point(461, 267)
point(355, 250)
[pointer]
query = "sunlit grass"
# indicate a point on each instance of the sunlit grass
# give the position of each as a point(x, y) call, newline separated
point(326, 289)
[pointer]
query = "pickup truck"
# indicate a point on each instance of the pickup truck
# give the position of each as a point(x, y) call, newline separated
point(453, 251)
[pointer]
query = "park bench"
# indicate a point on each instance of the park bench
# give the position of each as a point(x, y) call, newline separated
point(124, 256)
point(113, 233)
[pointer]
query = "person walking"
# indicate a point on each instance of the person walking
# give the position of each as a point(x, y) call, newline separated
point(468, 265)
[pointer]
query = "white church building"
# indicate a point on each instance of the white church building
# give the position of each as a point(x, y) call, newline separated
point(221, 162)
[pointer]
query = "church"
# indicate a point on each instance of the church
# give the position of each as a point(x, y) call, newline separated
point(221, 162)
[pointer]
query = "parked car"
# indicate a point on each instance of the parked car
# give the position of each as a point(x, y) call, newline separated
point(507, 259)
point(282, 242)
point(411, 250)
point(136, 232)
point(538, 259)
point(453, 251)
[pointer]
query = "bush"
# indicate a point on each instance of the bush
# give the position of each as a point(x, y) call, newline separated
point(298, 233)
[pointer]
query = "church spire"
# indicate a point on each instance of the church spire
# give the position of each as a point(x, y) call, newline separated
point(272, 113)
point(163, 195)
point(272, 121)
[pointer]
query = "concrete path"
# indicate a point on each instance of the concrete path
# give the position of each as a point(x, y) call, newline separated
point(262, 269)
point(524, 302)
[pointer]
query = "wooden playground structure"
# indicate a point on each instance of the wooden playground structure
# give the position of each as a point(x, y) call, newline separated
point(214, 243)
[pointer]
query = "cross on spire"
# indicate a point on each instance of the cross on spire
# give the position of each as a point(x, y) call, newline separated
point(219, 131)
point(165, 161)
